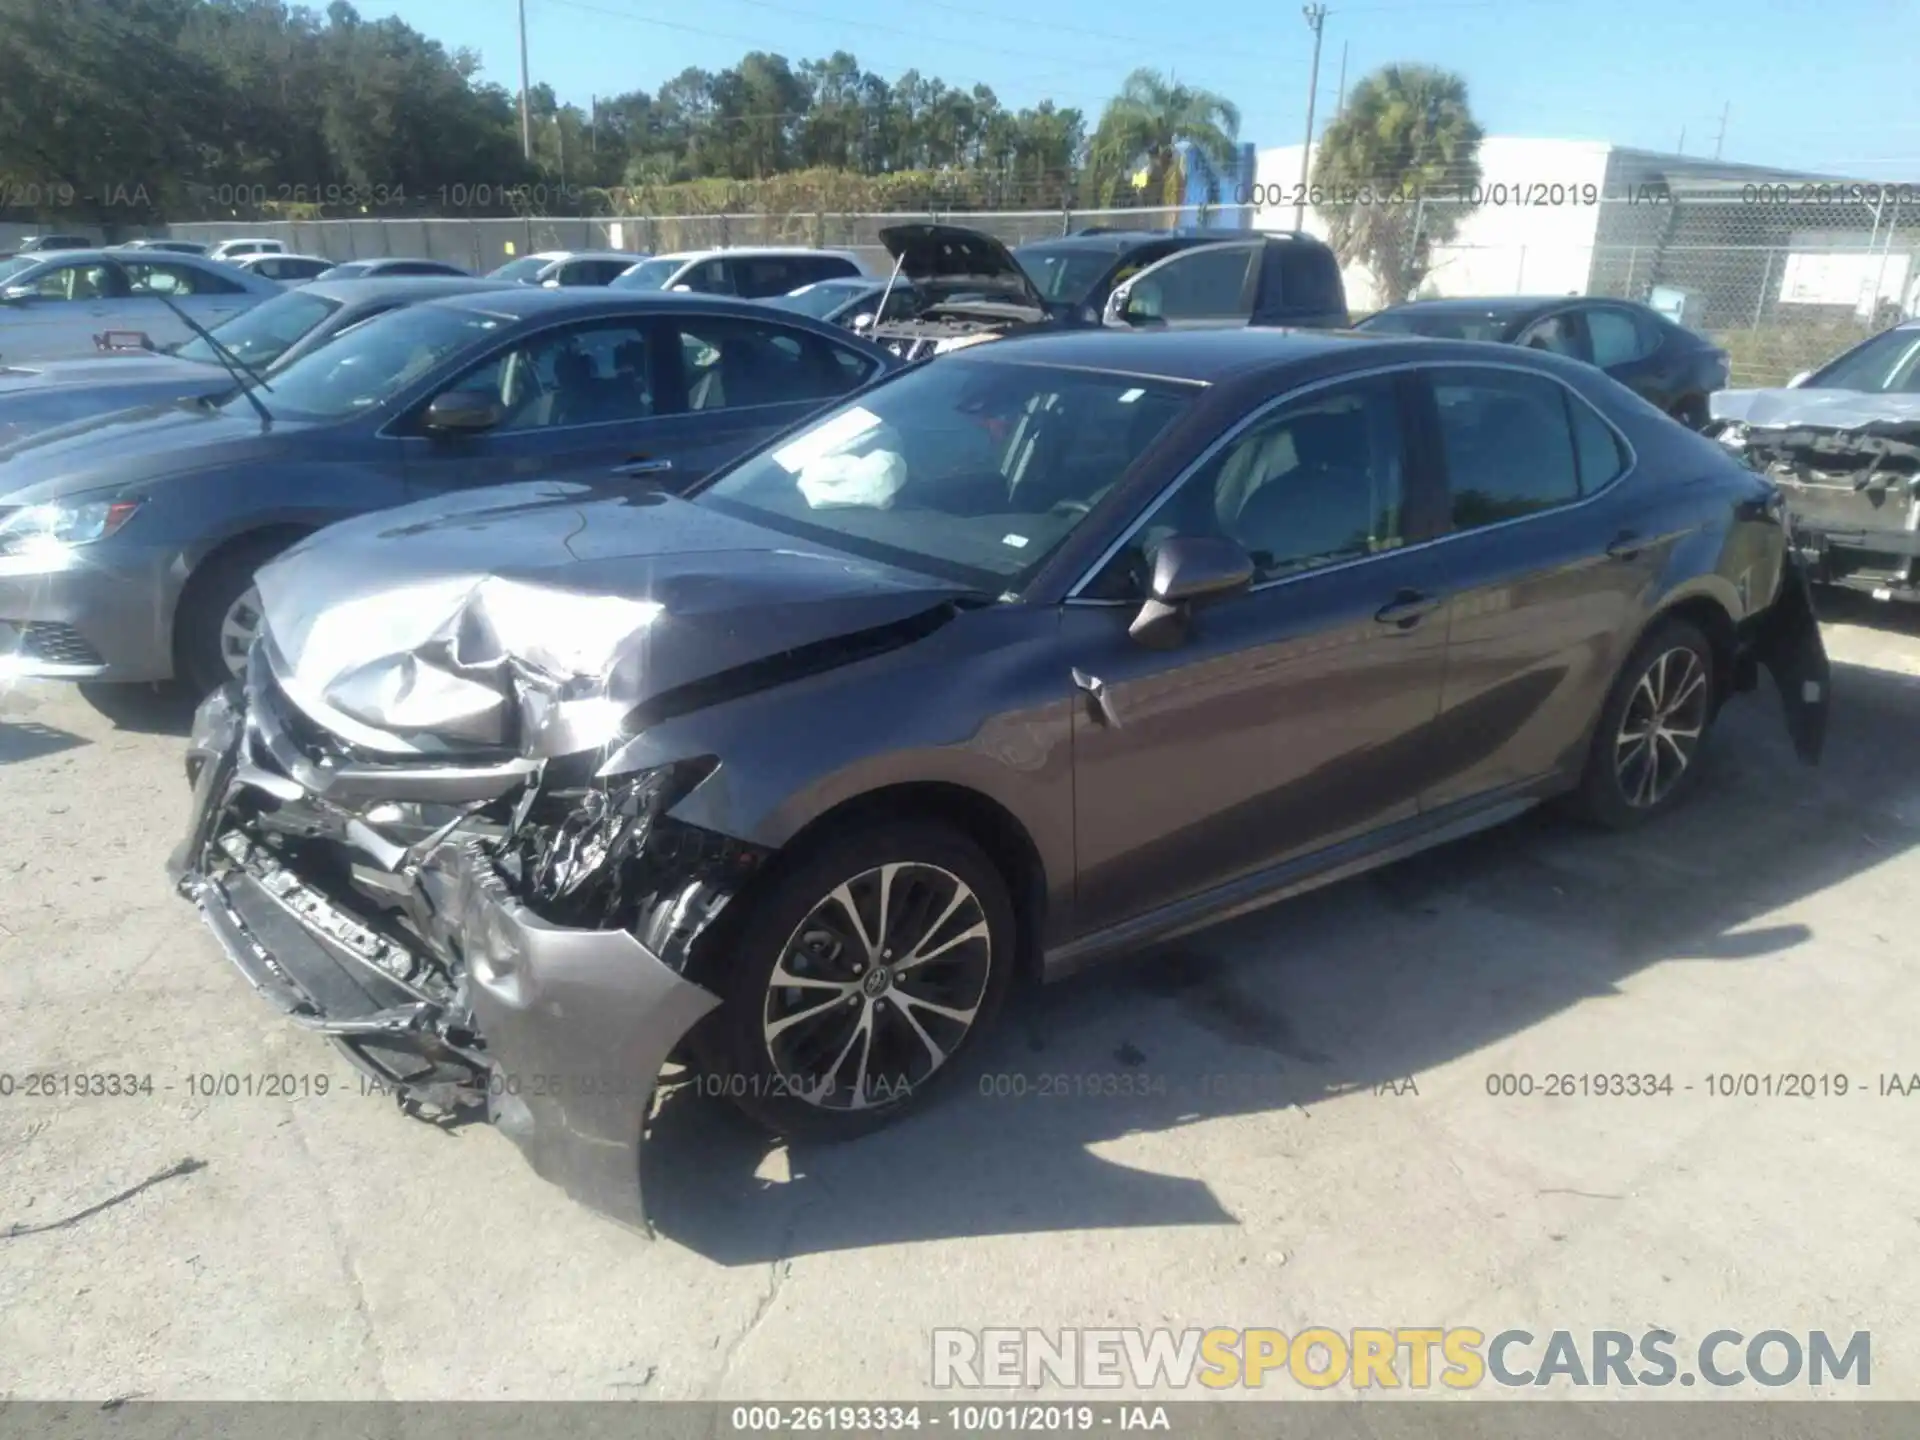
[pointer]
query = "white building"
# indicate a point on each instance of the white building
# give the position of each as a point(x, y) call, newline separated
point(1723, 243)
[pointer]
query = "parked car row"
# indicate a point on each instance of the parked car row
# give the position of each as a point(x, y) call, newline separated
point(599, 674)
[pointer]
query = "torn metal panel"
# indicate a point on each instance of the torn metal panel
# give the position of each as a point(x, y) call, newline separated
point(1848, 464)
point(522, 954)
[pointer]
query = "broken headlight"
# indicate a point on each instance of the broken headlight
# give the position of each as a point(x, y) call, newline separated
point(604, 826)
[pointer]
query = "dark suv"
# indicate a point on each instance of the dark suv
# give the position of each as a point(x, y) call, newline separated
point(1120, 278)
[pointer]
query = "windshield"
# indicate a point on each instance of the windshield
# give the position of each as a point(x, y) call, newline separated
point(964, 468)
point(261, 335)
point(1066, 273)
point(527, 267)
point(819, 301)
point(1888, 364)
point(372, 362)
point(347, 271)
point(16, 266)
point(649, 275)
point(1438, 324)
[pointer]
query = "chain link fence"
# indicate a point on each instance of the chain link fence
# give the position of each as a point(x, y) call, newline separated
point(1783, 276)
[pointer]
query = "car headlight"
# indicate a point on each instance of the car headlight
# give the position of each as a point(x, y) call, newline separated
point(55, 525)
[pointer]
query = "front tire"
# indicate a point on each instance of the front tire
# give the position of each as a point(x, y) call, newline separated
point(857, 978)
point(219, 617)
point(1652, 730)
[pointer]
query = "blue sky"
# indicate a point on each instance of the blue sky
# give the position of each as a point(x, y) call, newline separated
point(1814, 84)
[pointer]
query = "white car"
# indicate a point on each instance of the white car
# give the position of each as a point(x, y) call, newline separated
point(751, 272)
point(77, 302)
point(234, 249)
point(554, 268)
point(287, 269)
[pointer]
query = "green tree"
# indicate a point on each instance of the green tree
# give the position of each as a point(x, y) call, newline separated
point(1406, 131)
point(1143, 126)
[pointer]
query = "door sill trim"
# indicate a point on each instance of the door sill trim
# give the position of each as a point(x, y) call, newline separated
point(1294, 877)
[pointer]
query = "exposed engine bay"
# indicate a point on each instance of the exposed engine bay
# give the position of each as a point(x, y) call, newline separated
point(1851, 476)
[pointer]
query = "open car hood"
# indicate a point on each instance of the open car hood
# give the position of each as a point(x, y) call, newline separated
point(547, 619)
point(953, 257)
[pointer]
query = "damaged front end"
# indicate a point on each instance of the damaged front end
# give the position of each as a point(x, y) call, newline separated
point(477, 932)
point(1851, 480)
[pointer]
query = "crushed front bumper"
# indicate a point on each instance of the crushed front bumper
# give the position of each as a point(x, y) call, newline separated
point(563, 1032)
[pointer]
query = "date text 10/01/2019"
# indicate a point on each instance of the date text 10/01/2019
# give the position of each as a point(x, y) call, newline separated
point(1537, 193)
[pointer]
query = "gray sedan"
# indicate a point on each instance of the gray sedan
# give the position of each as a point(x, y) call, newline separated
point(129, 542)
point(38, 396)
point(61, 304)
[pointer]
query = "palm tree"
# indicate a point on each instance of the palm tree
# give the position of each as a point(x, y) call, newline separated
point(1143, 125)
point(1406, 149)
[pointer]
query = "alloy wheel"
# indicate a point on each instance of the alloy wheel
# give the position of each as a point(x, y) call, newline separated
point(238, 629)
point(1660, 731)
point(877, 987)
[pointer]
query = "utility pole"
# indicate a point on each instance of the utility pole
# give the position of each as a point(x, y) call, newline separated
point(1681, 148)
point(1340, 100)
point(526, 115)
point(1316, 18)
point(593, 124)
point(1720, 138)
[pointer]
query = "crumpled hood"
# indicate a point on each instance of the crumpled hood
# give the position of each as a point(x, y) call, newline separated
point(1833, 409)
point(537, 618)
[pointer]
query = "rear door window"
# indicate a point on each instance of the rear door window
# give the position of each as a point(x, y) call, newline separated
point(1618, 337)
point(1509, 444)
point(1310, 280)
point(1211, 283)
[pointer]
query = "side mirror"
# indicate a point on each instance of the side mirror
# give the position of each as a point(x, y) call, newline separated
point(464, 412)
point(863, 321)
point(1797, 381)
point(18, 294)
point(1184, 570)
point(1122, 309)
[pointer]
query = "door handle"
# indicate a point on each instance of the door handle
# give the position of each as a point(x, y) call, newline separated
point(643, 467)
point(1407, 609)
point(1625, 546)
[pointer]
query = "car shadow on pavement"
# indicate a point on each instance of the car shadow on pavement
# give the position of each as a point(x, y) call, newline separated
point(142, 709)
point(1350, 988)
point(29, 740)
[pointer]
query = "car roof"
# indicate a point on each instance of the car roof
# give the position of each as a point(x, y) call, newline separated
point(1270, 355)
point(1203, 356)
point(1510, 307)
point(105, 255)
point(1113, 242)
point(290, 255)
point(523, 302)
point(750, 251)
point(405, 287)
point(598, 255)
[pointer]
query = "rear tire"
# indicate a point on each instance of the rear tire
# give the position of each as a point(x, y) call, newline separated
point(867, 1029)
point(219, 614)
point(1646, 748)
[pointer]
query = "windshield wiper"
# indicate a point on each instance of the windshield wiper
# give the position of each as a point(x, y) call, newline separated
point(232, 363)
